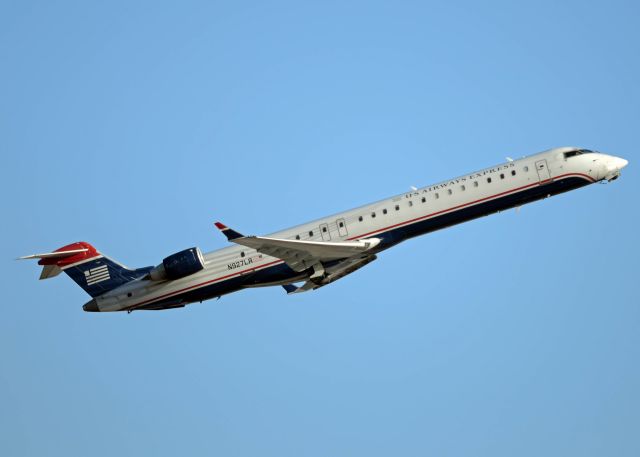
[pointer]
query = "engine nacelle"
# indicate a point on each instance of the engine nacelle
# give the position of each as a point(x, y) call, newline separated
point(178, 265)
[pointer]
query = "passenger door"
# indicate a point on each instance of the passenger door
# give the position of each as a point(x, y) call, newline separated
point(342, 227)
point(543, 170)
point(324, 230)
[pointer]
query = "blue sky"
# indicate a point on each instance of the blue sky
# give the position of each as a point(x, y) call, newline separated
point(135, 125)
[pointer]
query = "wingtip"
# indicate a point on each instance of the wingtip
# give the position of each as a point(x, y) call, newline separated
point(229, 233)
point(289, 288)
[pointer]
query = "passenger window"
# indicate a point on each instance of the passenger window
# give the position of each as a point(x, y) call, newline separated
point(324, 229)
point(341, 224)
point(475, 183)
point(488, 180)
point(449, 191)
point(360, 218)
point(410, 203)
point(397, 207)
point(310, 232)
point(437, 195)
point(242, 254)
point(384, 211)
point(297, 237)
point(513, 172)
point(526, 168)
point(424, 199)
point(501, 175)
point(462, 187)
point(373, 214)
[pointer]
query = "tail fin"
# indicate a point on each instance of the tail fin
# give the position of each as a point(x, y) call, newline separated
point(91, 270)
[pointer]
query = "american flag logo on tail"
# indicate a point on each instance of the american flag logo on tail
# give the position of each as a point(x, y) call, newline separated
point(96, 275)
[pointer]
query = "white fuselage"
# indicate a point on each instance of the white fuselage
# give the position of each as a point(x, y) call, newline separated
point(394, 219)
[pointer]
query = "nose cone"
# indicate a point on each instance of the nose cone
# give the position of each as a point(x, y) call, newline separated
point(91, 306)
point(620, 163)
point(613, 166)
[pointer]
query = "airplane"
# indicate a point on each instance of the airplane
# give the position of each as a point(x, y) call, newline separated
point(320, 252)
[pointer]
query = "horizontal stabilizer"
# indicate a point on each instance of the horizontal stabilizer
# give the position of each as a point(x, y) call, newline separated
point(53, 255)
point(50, 271)
point(53, 262)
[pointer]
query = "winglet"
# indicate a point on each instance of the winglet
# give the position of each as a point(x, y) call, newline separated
point(307, 286)
point(290, 288)
point(229, 233)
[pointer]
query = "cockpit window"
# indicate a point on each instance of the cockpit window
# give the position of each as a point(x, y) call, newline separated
point(576, 152)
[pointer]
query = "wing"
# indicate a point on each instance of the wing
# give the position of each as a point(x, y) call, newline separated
point(301, 255)
point(333, 274)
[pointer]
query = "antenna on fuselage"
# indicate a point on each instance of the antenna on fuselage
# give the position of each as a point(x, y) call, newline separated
point(413, 188)
point(509, 159)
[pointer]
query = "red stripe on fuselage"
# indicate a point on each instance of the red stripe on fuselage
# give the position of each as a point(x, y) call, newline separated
point(211, 281)
point(410, 221)
point(437, 213)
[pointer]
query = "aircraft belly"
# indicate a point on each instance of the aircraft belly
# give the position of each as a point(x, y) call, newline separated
point(276, 273)
point(492, 206)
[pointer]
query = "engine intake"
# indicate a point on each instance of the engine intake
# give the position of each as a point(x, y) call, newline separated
point(178, 265)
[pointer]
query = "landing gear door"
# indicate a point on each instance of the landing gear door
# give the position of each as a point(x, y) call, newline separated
point(342, 227)
point(543, 170)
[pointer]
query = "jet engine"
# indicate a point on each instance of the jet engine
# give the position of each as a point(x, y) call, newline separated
point(178, 265)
